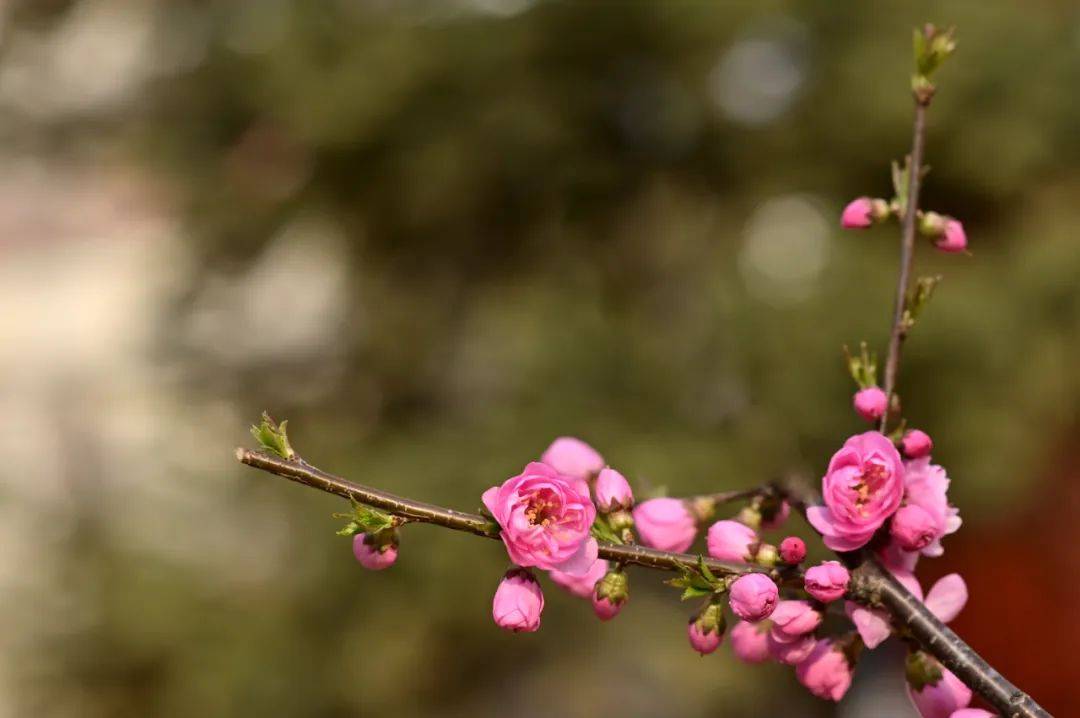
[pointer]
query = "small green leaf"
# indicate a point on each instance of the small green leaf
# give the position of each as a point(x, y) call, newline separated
point(602, 531)
point(694, 592)
point(273, 437)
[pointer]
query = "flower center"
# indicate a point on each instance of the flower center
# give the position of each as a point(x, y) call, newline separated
point(540, 511)
point(873, 476)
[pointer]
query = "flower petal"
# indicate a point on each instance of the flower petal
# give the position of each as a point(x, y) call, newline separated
point(582, 560)
point(947, 597)
point(872, 624)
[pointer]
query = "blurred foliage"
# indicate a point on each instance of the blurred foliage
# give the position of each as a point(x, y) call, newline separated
point(544, 219)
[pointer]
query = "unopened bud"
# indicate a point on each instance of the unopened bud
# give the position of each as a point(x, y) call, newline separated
point(613, 491)
point(376, 551)
point(792, 550)
point(766, 555)
point(749, 516)
point(612, 591)
point(706, 630)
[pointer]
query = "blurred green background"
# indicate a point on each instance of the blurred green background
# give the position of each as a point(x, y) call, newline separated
point(436, 235)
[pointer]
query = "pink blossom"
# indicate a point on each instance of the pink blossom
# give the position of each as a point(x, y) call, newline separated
point(748, 641)
point(665, 524)
point(942, 699)
point(731, 541)
point(371, 556)
point(913, 528)
point(946, 599)
point(917, 444)
point(973, 713)
point(858, 214)
point(794, 619)
point(704, 642)
point(792, 550)
point(790, 653)
point(518, 602)
point(926, 486)
point(613, 491)
point(827, 581)
point(574, 458)
point(871, 403)
point(953, 239)
point(606, 609)
point(862, 487)
point(753, 597)
point(826, 672)
point(581, 586)
point(545, 520)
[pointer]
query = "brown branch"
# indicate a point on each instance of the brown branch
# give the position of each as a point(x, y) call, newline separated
point(303, 473)
point(907, 253)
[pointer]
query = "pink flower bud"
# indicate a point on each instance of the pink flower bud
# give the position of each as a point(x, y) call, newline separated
point(858, 214)
point(916, 444)
point(731, 541)
point(790, 653)
point(940, 699)
point(826, 672)
point(703, 643)
point(827, 581)
point(581, 586)
point(665, 524)
point(913, 528)
point(794, 619)
point(753, 597)
point(613, 491)
point(953, 239)
point(870, 403)
point(573, 457)
point(371, 555)
point(611, 594)
point(748, 642)
point(518, 602)
point(792, 550)
point(777, 518)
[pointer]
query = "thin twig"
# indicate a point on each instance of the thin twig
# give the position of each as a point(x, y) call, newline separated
point(419, 511)
point(907, 254)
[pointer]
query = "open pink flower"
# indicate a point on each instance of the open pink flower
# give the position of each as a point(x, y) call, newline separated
point(827, 581)
point(665, 524)
point(581, 586)
point(545, 520)
point(518, 602)
point(926, 485)
point(753, 597)
point(946, 599)
point(748, 641)
point(862, 487)
point(941, 699)
point(731, 541)
point(826, 672)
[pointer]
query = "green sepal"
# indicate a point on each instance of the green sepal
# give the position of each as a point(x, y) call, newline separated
point(365, 519)
point(602, 531)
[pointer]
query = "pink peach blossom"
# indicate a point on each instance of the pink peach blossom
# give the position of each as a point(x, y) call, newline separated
point(792, 550)
point(861, 489)
point(613, 491)
point(731, 541)
point(826, 672)
point(545, 520)
point(942, 699)
point(753, 597)
point(371, 556)
point(858, 214)
point(790, 653)
point(827, 581)
point(581, 586)
point(518, 602)
point(946, 599)
point(748, 641)
point(926, 486)
point(794, 619)
point(953, 239)
point(913, 528)
point(916, 444)
point(871, 403)
point(665, 524)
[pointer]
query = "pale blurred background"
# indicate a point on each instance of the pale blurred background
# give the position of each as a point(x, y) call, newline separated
point(435, 235)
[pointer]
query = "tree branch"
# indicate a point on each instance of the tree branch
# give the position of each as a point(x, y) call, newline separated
point(303, 473)
point(907, 253)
